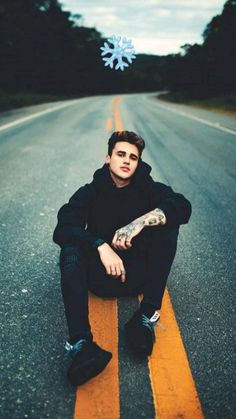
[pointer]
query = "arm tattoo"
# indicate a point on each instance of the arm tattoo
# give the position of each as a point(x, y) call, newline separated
point(129, 229)
point(152, 221)
point(154, 217)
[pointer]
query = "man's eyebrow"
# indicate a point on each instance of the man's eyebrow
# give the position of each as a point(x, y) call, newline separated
point(131, 154)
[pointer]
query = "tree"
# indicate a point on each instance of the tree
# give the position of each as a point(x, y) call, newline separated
point(207, 69)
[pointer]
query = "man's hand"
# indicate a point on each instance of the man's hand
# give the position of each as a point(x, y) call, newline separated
point(111, 261)
point(123, 236)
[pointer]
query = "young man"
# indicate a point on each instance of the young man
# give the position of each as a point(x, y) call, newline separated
point(118, 236)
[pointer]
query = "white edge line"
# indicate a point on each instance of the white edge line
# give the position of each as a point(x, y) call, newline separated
point(203, 121)
point(36, 115)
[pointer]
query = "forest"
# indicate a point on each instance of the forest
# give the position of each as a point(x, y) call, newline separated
point(47, 50)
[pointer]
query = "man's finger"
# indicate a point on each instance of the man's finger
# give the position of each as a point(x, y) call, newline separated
point(118, 243)
point(108, 269)
point(118, 270)
point(126, 245)
point(128, 242)
point(113, 271)
point(123, 274)
point(113, 243)
point(122, 243)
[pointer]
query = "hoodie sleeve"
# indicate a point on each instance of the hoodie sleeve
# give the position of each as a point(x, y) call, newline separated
point(72, 219)
point(175, 206)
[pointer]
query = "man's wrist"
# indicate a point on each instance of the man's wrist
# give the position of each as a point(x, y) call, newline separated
point(98, 243)
point(155, 217)
point(162, 217)
point(102, 247)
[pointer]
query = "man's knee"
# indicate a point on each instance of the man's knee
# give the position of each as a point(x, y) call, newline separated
point(163, 240)
point(71, 258)
point(162, 234)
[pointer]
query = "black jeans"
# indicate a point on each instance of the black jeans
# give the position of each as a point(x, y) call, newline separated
point(147, 266)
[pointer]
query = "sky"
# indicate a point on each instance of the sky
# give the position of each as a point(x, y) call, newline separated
point(154, 26)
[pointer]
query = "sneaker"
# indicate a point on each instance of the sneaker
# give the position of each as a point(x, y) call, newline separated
point(140, 332)
point(88, 360)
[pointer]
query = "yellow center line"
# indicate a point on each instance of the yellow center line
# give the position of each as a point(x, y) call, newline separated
point(174, 391)
point(109, 124)
point(99, 397)
point(118, 122)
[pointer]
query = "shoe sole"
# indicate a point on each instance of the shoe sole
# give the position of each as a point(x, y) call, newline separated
point(88, 369)
point(137, 349)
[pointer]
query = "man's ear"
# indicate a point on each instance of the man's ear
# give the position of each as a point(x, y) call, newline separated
point(107, 159)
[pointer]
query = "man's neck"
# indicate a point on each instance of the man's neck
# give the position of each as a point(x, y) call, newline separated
point(120, 183)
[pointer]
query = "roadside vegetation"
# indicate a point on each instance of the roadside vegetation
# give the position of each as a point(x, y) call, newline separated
point(226, 103)
point(205, 75)
point(47, 54)
point(16, 100)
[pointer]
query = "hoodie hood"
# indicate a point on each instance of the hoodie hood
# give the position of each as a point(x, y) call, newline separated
point(141, 178)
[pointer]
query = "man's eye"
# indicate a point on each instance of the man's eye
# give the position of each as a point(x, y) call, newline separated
point(134, 158)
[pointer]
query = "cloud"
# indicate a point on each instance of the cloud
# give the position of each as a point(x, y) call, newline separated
point(155, 26)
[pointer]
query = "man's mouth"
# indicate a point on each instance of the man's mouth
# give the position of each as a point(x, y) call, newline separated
point(125, 169)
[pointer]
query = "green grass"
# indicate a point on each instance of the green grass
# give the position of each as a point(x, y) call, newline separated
point(17, 100)
point(225, 103)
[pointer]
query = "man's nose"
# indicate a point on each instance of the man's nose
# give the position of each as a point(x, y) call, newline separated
point(126, 161)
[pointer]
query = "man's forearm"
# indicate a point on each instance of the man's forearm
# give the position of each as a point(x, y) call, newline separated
point(152, 218)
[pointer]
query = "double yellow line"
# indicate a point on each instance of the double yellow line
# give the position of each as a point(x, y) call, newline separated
point(173, 387)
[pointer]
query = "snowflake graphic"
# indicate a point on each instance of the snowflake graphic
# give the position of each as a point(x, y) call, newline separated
point(117, 51)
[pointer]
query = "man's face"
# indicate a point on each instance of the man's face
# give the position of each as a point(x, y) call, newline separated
point(124, 160)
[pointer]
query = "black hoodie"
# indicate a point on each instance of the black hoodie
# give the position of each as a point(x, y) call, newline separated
point(99, 208)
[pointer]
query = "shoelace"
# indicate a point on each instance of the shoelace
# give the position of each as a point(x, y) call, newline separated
point(72, 350)
point(147, 323)
point(151, 324)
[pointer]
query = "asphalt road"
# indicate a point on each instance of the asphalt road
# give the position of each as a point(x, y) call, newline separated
point(42, 162)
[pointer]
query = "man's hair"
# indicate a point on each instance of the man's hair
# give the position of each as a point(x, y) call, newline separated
point(127, 136)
